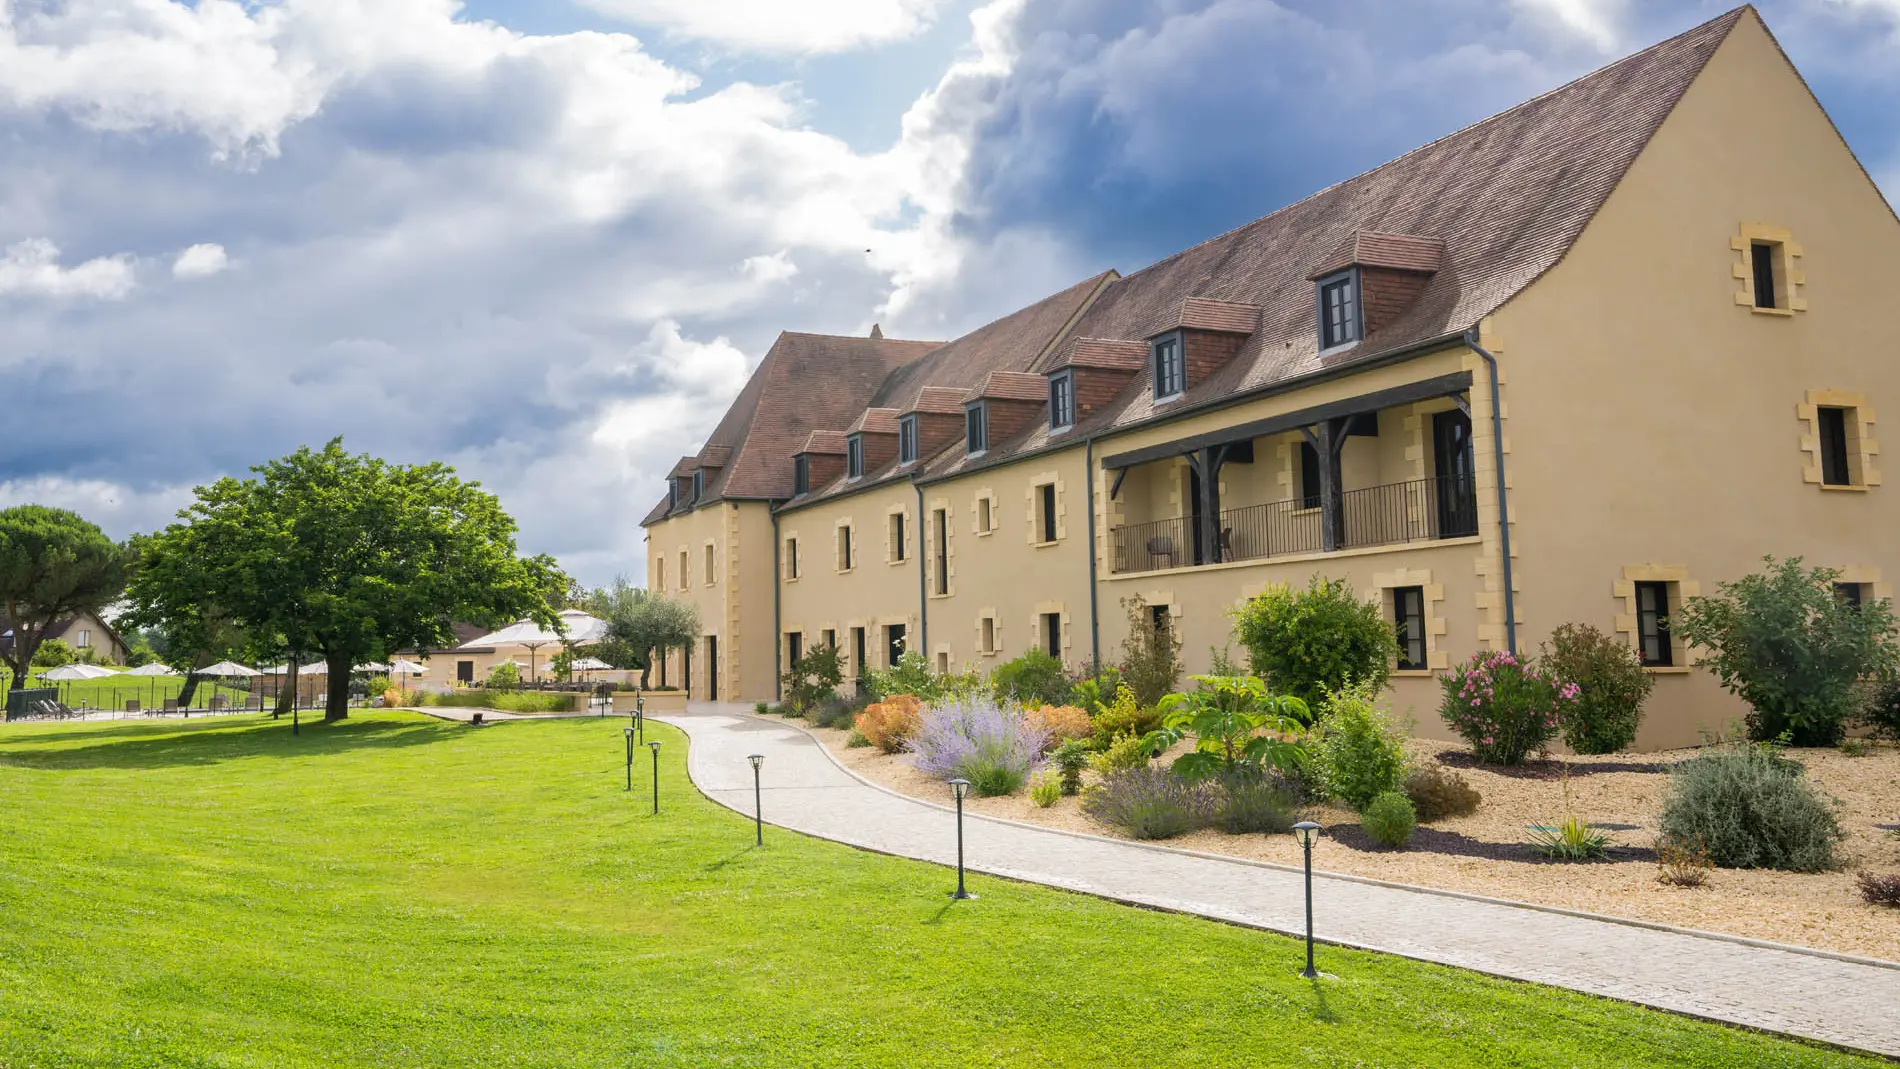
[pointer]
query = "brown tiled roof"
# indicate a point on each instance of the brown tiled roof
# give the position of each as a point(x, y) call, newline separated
point(1200, 313)
point(1011, 386)
point(1511, 193)
point(943, 400)
point(823, 442)
point(715, 456)
point(1401, 252)
point(806, 382)
point(685, 466)
point(1120, 354)
point(875, 421)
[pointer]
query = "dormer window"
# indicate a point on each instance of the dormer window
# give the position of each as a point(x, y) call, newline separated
point(976, 429)
point(907, 440)
point(1062, 400)
point(854, 457)
point(672, 494)
point(699, 486)
point(801, 475)
point(1170, 366)
point(1338, 309)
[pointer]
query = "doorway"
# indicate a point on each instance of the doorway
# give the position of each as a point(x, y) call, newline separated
point(712, 667)
point(1454, 464)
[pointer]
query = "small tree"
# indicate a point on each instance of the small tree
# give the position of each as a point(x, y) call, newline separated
point(504, 676)
point(562, 663)
point(1318, 641)
point(53, 565)
point(1035, 678)
point(52, 653)
point(1227, 716)
point(1789, 647)
point(647, 625)
point(1611, 686)
point(1151, 654)
point(813, 678)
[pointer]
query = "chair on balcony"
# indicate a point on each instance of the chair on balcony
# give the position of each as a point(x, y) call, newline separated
point(1160, 546)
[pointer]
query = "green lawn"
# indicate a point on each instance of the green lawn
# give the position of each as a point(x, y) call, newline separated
point(396, 891)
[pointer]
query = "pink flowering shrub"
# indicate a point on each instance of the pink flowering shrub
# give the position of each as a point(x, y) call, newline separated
point(1503, 706)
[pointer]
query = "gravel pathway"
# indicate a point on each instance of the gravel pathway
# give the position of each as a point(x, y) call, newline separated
point(1851, 1003)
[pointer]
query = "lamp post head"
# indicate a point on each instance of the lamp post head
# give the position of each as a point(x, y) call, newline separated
point(1306, 830)
point(959, 786)
point(757, 759)
point(655, 746)
point(627, 732)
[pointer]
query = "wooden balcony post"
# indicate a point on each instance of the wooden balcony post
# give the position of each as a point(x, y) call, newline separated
point(1327, 439)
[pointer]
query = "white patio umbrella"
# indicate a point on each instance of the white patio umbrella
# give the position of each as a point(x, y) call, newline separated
point(152, 671)
point(228, 670)
point(68, 672)
point(371, 666)
point(406, 668)
point(590, 664)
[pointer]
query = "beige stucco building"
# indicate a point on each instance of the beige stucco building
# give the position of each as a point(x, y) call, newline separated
point(1653, 300)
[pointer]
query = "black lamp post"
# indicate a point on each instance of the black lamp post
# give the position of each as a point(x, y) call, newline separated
point(628, 731)
point(640, 714)
point(758, 801)
point(958, 787)
point(655, 747)
point(1308, 831)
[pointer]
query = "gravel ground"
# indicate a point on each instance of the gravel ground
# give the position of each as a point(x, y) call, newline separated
point(1486, 852)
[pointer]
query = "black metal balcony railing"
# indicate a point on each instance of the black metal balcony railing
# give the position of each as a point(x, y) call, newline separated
point(1422, 510)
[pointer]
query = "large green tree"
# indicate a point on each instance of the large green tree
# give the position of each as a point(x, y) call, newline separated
point(343, 558)
point(53, 564)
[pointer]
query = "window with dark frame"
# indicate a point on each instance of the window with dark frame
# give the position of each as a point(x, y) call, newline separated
point(985, 516)
point(1849, 594)
point(1052, 634)
point(989, 634)
point(844, 549)
point(1408, 623)
point(699, 485)
point(791, 558)
point(976, 429)
point(907, 440)
point(1652, 625)
point(712, 572)
point(1062, 400)
point(1834, 467)
point(1170, 370)
point(1762, 254)
point(893, 644)
point(794, 647)
point(898, 548)
point(801, 476)
point(686, 570)
point(941, 521)
point(831, 638)
point(1046, 497)
point(1309, 476)
point(854, 457)
point(1338, 309)
point(1161, 618)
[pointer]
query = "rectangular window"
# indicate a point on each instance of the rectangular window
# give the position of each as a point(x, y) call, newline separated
point(1309, 476)
point(1408, 622)
point(1338, 309)
point(712, 573)
point(893, 644)
point(791, 558)
point(854, 457)
point(686, 571)
point(1762, 254)
point(940, 521)
point(898, 549)
point(699, 486)
point(801, 476)
point(985, 520)
point(1161, 618)
point(844, 549)
point(1652, 624)
point(1170, 371)
point(857, 652)
point(943, 663)
point(659, 573)
point(794, 647)
point(672, 494)
point(1849, 594)
point(1834, 467)
point(831, 639)
point(1046, 512)
point(989, 634)
point(1052, 634)
point(976, 429)
point(1062, 400)
point(907, 440)
point(465, 671)
point(84, 641)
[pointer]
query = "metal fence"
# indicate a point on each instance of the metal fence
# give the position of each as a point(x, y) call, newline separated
point(1418, 511)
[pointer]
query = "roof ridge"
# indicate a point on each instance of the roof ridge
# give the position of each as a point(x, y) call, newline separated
point(1731, 16)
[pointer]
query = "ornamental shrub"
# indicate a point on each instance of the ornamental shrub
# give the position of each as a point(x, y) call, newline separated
point(1882, 707)
point(889, 724)
point(910, 675)
point(1246, 802)
point(1070, 759)
point(504, 676)
point(1061, 723)
point(1151, 655)
point(836, 711)
point(990, 745)
point(1437, 792)
point(1045, 790)
point(1879, 890)
point(1357, 755)
point(811, 679)
point(1122, 754)
point(1308, 643)
point(1125, 716)
point(1750, 809)
point(1389, 819)
point(1611, 686)
point(1033, 679)
point(53, 653)
point(1150, 803)
point(1505, 708)
point(1789, 647)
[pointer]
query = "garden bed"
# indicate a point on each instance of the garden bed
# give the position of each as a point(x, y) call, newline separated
point(1487, 852)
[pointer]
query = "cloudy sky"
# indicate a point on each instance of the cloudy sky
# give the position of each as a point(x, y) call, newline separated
point(545, 240)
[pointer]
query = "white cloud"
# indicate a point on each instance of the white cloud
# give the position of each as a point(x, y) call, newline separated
point(796, 26)
point(776, 267)
point(200, 261)
point(31, 267)
point(1596, 21)
point(114, 506)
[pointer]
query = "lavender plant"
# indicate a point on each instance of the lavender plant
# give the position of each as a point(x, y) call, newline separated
point(973, 737)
